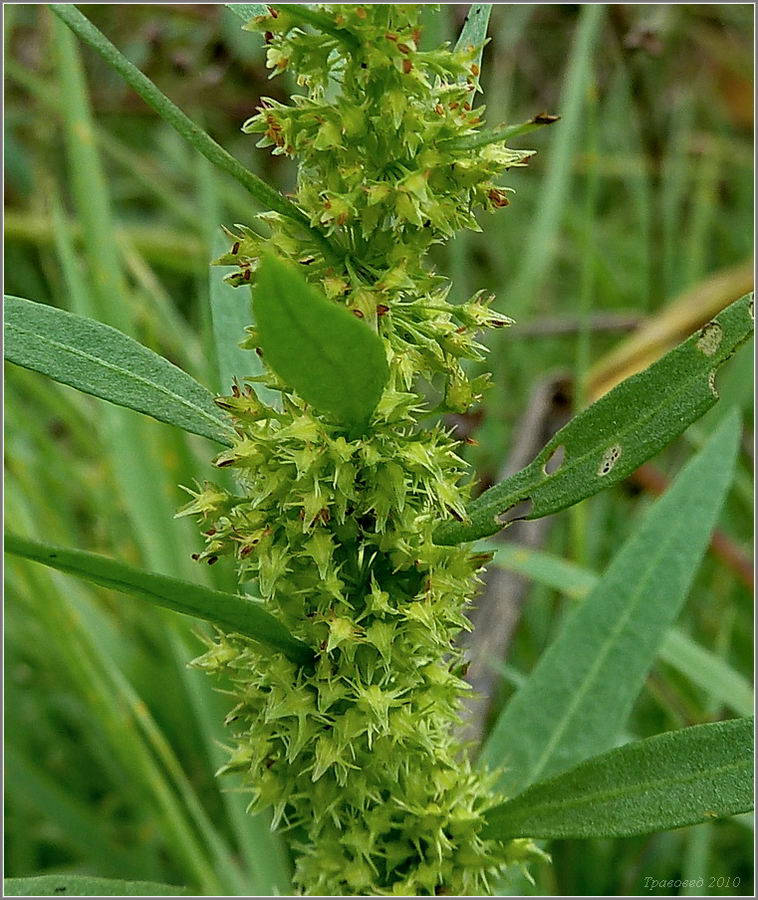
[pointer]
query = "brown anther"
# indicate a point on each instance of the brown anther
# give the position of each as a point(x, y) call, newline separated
point(471, 442)
point(196, 556)
point(235, 248)
point(390, 36)
point(259, 351)
point(210, 532)
point(212, 560)
point(545, 119)
point(358, 313)
point(246, 550)
point(246, 275)
point(341, 218)
point(236, 391)
point(381, 309)
point(467, 107)
point(407, 66)
point(324, 515)
point(416, 35)
point(439, 109)
point(475, 69)
point(268, 37)
point(222, 464)
point(403, 48)
point(360, 12)
point(461, 330)
point(454, 105)
point(272, 12)
point(498, 198)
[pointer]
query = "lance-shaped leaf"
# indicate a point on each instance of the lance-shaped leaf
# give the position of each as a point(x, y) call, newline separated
point(101, 360)
point(86, 886)
point(332, 359)
point(474, 31)
point(700, 665)
point(679, 778)
point(229, 612)
point(608, 441)
point(579, 695)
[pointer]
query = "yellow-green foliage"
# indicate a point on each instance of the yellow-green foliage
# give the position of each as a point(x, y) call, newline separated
point(358, 755)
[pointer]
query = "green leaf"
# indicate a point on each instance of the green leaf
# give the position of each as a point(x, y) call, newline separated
point(247, 11)
point(332, 359)
point(180, 122)
point(84, 886)
point(679, 778)
point(608, 441)
point(474, 31)
point(701, 666)
point(577, 699)
point(229, 612)
point(100, 360)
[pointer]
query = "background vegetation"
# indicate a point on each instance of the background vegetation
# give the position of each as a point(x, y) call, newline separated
point(643, 193)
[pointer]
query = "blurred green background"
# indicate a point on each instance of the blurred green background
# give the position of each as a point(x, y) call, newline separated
point(634, 217)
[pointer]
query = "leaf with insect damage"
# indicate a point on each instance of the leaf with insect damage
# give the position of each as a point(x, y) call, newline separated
point(610, 439)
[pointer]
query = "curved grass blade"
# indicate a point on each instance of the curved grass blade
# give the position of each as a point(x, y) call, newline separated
point(608, 441)
point(230, 612)
point(580, 693)
point(192, 133)
point(332, 359)
point(85, 886)
point(680, 778)
point(102, 361)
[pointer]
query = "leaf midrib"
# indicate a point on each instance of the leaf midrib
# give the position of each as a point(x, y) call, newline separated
point(576, 802)
point(123, 372)
point(602, 655)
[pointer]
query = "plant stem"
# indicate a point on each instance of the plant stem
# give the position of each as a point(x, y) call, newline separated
point(181, 122)
point(501, 133)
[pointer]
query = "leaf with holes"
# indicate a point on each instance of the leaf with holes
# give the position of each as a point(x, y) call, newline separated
point(230, 612)
point(102, 361)
point(608, 441)
point(580, 693)
point(332, 359)
point(679, 778)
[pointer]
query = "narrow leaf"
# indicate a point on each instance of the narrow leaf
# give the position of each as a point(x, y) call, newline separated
point(230, 612)
point(331, 358)
point(609, 440)
point(85, 886)
point(701, 666)
point(679, 778)
point(100, 360)
point(474, 31)
point(577, 699)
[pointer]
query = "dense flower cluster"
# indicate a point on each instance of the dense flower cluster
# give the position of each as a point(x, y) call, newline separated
point(357, 754)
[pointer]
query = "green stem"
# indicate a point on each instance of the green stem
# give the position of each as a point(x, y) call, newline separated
point(178, 120)
point(501, 133)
